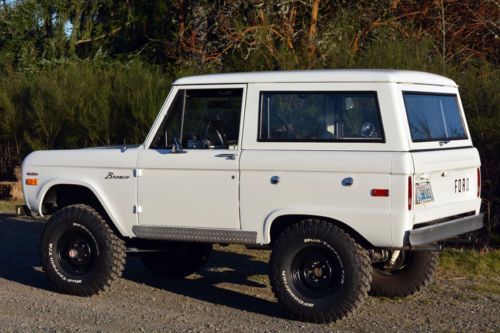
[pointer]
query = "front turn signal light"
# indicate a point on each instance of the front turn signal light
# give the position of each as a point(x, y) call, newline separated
point(31, 181)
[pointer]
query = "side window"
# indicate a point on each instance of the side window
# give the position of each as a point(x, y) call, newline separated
point(359, 117)
point(171, 125)
point(202, 119)
point(296, 116)
point(319, 116)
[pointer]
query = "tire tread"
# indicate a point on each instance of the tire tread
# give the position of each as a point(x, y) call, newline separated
point(113, 244)
point(410, 283)
point(346, 309)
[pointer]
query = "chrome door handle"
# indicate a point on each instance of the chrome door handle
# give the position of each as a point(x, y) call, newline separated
point(227, 156)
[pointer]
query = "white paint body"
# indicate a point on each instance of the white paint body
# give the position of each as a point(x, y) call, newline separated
point(199, 190)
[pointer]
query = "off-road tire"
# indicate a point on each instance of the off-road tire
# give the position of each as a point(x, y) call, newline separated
point(318, 272)
point(178, 259)
point(103, 252)
point(415, 273)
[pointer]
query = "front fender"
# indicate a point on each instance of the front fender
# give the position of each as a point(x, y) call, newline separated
point(100, 195)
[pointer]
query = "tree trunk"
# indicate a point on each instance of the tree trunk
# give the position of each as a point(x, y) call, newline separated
point(182, 25)
point(443, 34)
point(313, 28)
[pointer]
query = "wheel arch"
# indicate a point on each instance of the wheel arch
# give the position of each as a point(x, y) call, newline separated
point(55, 196)
point(276, 223)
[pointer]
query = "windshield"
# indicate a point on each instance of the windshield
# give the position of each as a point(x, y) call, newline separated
point(434, 117)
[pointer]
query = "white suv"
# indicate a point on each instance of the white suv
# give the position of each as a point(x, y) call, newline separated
point(350, 176)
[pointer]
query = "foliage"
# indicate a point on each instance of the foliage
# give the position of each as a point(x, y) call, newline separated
point(77, 104)
point(80, 73)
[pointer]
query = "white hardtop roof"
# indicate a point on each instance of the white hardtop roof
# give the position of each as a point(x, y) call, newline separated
point(330, 75)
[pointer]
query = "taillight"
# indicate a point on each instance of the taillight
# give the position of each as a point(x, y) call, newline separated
point(478, 182)
point(410, 193)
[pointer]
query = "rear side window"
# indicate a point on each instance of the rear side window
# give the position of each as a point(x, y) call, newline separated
point(434, 117)
point(308, 116)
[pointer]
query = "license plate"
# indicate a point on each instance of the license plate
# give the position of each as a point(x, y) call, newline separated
point(424, 192)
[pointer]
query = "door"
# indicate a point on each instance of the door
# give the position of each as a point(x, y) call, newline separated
point(447, 175)
point(446, 183)
point(199, 185)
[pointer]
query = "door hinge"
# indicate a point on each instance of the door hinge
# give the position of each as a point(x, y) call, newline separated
point(137, 209)
point(137, 172)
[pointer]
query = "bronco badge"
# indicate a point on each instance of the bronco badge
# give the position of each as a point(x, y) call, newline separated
point(111, 175)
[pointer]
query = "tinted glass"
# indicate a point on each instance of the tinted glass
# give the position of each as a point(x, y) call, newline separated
point(434, 117)
point(171, 124)
point(202, 119)
point(212, 116)
point(319, 116)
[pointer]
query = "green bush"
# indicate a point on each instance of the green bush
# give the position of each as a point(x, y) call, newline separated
point(77, 104)
point(83, 103)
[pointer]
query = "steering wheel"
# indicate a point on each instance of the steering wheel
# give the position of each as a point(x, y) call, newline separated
point(368, 130)
point(220, 137)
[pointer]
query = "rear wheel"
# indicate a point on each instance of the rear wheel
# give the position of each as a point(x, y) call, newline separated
point(411, 271)
point(177, 259)
point(81, 255)
point(318, 272)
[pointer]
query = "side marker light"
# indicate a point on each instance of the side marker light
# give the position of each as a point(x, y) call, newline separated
point(379, 192)
point(31, 181)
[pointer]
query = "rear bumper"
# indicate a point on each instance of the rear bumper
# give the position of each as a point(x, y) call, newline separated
point(445, 230)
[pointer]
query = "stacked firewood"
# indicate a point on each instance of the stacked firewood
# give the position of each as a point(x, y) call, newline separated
point(12, 190)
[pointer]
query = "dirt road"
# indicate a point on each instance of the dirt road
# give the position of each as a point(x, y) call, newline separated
point(231, 295)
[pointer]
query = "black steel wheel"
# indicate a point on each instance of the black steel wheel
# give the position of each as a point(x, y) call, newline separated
point(80, 253)
point(76, 252)
point(318, 272)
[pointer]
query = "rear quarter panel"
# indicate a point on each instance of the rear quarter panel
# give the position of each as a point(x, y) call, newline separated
point(311, 184)
point(311, 173)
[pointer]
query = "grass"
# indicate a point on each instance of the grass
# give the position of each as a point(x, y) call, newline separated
point(9, 206)
point(482, 269)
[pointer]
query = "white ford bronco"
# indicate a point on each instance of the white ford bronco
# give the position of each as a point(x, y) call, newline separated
point(351, 177)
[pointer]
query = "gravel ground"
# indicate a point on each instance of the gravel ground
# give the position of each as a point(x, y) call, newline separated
point(231, 295)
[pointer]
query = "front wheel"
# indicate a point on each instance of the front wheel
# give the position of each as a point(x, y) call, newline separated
point(318, 272)
point(81, 255)
point(411, 271)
